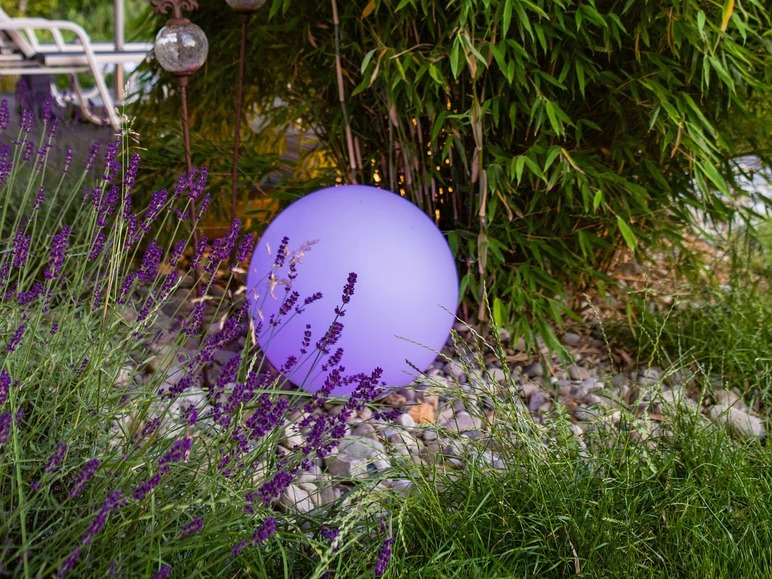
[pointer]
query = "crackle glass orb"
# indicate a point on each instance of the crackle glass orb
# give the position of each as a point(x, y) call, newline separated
point(405, 297)
point(181, 48)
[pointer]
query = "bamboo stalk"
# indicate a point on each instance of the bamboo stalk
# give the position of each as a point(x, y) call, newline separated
point(342, 95)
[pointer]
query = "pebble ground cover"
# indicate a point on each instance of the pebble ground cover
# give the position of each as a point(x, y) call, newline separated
point(142, 434)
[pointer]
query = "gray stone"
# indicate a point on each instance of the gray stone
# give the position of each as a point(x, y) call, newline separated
point(406, 420)
point(296, 499)
point(534, 370)
point(360, 447)
point(429, 434)
point(571, 339)
point(578, 373)
point(649, 376)
point(674, 399)
point(462, 421)
point(364, 430)
point(728, 398)
point(536, 401)
point(347, 466)
point(497, 374)
point(738, 420)
point(402, 486)
point(292, 436)
point(456, 371)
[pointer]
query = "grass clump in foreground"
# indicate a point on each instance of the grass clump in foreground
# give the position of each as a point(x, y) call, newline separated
point(103, 470)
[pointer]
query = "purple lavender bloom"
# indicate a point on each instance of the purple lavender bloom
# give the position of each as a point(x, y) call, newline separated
point(39, 198)
point(309, 300)
point(176, 453)
point(27, 119)
point(16, 339)
point(85, 475)
point(29, 148)
point(273, 488)
point(107, 205)
point(4, 271)
point(348, 291)
point(157, 202)
point(183, 182)
point(169, 281)
point(204, 206)
point(245, 249)
point(55, 459)
point(68, 563)
point(5, 385)
point(131, 172)
point(229, 371)
point(97, 245)
point(42, 154)
point(5, 426)
point(68, 160)
point(111, 166)
point(383, 557)
point(54, 328)
point(331, 338)
point(93, 151)
point(176, 253)
point(329, 534)
point(281, 253)
point(47, 112)
point(238, 548)
point(191, 528)
point(286, 306)
point(6, 163)
point(198, 253)
point(264, 531)
point(146, 487)
point(150, 262)
point(163, 572)
point(223, 247)
point(151, 426)
point(190, 414)
point(192, 324)
point(20, 249)
point(197, 183)
point(5, 115)
point(59, 246)
point(112, 503)
point(26, 298)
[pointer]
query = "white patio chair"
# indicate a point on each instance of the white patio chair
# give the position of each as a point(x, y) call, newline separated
point(71, 52)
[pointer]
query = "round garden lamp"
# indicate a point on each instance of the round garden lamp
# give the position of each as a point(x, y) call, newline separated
point(181, 49)
point(244, 8)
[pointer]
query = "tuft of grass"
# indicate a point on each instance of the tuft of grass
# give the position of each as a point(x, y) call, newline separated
point(622, 499)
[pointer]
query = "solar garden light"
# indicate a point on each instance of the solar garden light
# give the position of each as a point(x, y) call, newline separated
point(244, 8)
point(181, 49)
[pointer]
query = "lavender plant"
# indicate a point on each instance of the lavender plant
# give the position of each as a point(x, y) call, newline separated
point(142, 433)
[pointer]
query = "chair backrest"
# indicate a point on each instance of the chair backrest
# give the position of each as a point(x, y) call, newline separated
point(16, 38)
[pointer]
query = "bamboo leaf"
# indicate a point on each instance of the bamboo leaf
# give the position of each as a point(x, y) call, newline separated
point(368, 9)
point(627, 233)
point(726, 14)
point(506, 17)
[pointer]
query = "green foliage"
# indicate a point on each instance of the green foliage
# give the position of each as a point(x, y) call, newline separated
point(544, 136)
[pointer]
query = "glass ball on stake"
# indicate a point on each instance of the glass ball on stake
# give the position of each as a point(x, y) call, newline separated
point(181, 48)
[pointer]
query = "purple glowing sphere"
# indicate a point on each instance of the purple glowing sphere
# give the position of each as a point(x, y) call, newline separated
point(404, 300)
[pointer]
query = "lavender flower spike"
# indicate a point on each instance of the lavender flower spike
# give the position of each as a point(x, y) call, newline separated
point(383, 557)
point(264, 531)
point(59, 246)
